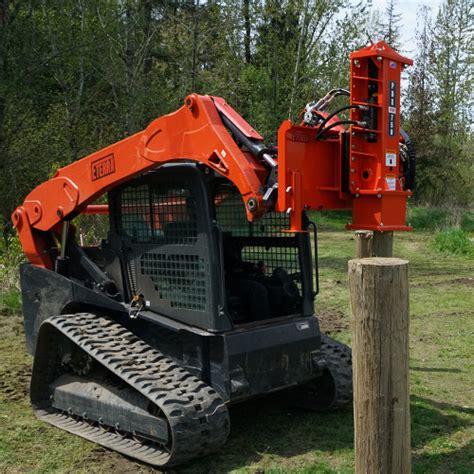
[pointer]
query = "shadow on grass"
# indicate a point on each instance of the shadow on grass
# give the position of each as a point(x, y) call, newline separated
point(435, 369)
point(431, 419)
point(432, 423)
point(269, 426)
point(458, 461)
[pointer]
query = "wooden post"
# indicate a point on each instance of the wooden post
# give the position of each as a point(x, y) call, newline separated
point(382, 244)
point(379, 300)
point(373, 244)
point(363, 243)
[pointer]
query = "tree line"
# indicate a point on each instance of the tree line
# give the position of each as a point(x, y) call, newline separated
point(77, 75)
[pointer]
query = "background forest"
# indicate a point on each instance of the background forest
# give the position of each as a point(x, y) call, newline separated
point(78, 75)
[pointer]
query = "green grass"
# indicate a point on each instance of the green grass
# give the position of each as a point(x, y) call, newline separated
point(267, 435)
point(454, 242)
point(10, 301)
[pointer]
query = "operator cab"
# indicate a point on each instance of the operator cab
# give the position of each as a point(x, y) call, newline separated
point(188, 250)
point(261, 261)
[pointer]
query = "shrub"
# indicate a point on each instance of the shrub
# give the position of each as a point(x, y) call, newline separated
point(454, 242)
point(10, 258)
point(435, 218)
point(427, 218)
point(467, 221)
point(331, 220)
point(10, 302)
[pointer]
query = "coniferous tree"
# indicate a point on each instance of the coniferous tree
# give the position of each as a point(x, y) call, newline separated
point(419, 104)
point(453, 84)
point(392, 25)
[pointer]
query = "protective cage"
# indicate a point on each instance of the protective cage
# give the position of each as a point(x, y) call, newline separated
point(161, 225)
point(183, 264)
point(265, 253)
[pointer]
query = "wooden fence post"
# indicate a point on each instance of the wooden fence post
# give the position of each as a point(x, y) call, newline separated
point(373, 244)
point(382, 244)
point(363, 243)
point(379, 300)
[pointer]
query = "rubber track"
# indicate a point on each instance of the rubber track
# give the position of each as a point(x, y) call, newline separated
point(197, 416)
point(339, 359)
point(312, 395)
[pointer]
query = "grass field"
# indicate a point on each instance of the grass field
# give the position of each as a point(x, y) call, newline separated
point(267, 435)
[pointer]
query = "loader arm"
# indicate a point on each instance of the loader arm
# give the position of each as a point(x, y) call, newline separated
point(195, 132)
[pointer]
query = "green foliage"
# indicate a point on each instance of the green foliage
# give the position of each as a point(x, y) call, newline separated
point(428, 218)
point(467, 221)
point(454, 242)
point(10, 302)
point(435, 218)
point(331, 220)
point(419, 217)
point(11, 256)
point(91, 229)
point(440, 104)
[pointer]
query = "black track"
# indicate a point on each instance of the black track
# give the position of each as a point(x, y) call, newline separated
point(196, 415)
point(333, 389)
point(339, 360)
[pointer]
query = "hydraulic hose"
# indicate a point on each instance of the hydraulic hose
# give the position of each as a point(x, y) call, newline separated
point(339, 122)
point(329, 97)
point(346, 107)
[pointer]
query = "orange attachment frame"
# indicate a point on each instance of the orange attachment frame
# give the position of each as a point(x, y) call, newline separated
point(367, 175)
point(376, 172)
point(309, 172)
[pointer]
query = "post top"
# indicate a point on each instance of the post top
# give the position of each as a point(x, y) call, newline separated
point(379, 261)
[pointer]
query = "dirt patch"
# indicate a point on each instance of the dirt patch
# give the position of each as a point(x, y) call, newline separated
point(333, 321)
point(15, 384)
point(463, 281)
point(466, 281)
point(111, 461)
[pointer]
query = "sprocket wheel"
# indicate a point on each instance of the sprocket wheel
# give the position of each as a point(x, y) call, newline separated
point(77, 361)
point(333, 389)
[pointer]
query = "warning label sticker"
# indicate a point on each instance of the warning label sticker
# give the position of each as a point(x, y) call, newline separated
point(391, 182)
point(390, 158)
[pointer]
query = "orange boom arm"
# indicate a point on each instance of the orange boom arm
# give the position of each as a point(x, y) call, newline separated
point(195, 132)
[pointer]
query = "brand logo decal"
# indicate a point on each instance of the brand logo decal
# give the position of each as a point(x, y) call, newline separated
point(102, 167)
point(299, 137)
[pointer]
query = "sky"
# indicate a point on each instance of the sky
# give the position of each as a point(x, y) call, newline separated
point(409, 10)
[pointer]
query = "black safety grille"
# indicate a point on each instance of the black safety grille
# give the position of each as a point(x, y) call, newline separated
point(158, 212)
point(272, 257)
point(263, 241)
point(180, 279)
point(164, 243)
point(231, 216)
